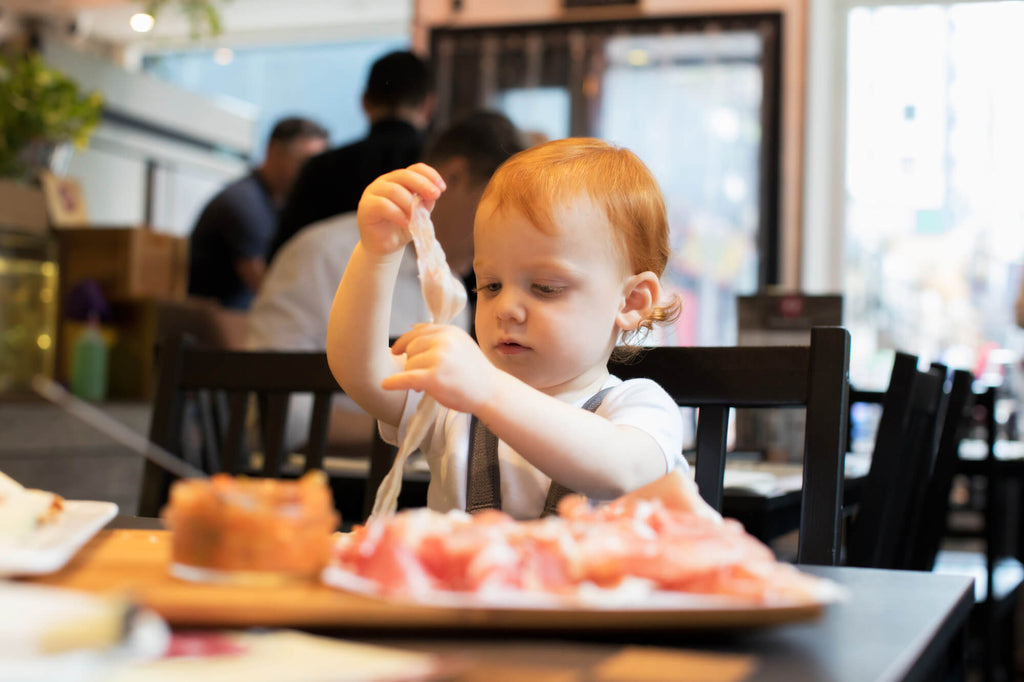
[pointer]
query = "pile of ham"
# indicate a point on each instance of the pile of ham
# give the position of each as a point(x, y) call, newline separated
point(659, 540)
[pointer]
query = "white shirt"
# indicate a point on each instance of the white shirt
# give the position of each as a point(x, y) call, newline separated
point(640, 403)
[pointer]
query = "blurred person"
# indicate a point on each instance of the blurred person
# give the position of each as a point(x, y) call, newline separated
point(228, 246)
point(398, 102)
point(292, 309)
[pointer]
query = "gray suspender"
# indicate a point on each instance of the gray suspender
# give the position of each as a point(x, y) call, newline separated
point(483, 476)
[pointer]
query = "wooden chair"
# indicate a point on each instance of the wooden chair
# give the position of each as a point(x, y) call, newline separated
point(905, 446)
point(202, 408)
point(815, 377)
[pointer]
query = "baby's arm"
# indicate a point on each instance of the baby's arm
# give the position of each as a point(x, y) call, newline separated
point(357, 334)
point(581, 450)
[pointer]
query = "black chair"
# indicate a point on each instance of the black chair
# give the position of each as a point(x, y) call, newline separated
point(925, 546)
point(1002, 572)
point(905, 445)
point(998, 578)
point(202, 409)
point(926, 495)
point(815, 377)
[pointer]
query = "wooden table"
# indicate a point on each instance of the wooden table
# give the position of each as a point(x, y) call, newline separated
point(895, 625)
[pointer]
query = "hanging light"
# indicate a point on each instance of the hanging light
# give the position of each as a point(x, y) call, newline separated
point(142, 22)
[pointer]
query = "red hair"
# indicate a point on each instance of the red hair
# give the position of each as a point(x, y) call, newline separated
point(540, 179)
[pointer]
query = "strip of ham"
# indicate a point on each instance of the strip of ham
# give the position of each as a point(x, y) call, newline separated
point(445, 297)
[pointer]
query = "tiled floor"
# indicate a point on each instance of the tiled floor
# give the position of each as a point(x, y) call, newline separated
point(43, 447)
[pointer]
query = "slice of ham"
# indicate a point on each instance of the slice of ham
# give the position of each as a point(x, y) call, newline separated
point(662, 536)
point(445, 297)
point(444, 293)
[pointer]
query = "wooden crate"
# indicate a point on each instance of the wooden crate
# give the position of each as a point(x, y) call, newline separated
point(128, 263)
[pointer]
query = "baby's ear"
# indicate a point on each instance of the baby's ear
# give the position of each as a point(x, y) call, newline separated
point(640, 292)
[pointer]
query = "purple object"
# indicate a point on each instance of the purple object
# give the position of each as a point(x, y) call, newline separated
point(86, 300)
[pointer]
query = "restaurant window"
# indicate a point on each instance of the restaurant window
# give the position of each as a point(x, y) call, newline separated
point(323, 81)
point(697, 99)
point(934, 208)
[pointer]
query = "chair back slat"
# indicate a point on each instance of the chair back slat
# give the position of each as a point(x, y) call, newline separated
point(814, 377)
point(236, 442)
point(192, 434)
point(316, 448)
point(206, 412)
point(712, 433)
point(273, 413)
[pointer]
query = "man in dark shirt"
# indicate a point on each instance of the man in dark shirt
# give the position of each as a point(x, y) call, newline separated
point(398, 102)
point(229, 244)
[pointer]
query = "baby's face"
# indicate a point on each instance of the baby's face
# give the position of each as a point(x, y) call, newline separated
point(547, 303)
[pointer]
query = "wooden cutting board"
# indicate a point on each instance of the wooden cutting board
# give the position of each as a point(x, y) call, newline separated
point(137, 561)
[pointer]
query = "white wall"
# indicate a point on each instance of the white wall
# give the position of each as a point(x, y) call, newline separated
point(192, 145)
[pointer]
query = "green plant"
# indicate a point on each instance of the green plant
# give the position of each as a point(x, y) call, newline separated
point(201, 14)
point(40, 105)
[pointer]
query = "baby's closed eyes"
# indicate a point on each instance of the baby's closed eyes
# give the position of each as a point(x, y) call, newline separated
point(538, 288)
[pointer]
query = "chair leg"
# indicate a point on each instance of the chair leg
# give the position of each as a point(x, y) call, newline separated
point(997, 630)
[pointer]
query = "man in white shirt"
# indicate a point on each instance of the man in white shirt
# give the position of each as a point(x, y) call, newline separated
point(294, 302)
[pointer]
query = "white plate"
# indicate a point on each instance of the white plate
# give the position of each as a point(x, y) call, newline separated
point(53, 545)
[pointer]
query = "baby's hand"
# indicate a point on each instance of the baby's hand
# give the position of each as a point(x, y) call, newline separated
point(386, 206)
point(446, 363)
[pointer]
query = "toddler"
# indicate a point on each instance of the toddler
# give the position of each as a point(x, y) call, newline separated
point(570, 240)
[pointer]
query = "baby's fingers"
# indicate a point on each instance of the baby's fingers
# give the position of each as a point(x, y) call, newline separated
point(376, 209)
point(409, 380)
point(400, 185)
point(420, 330)
point(436, 182)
